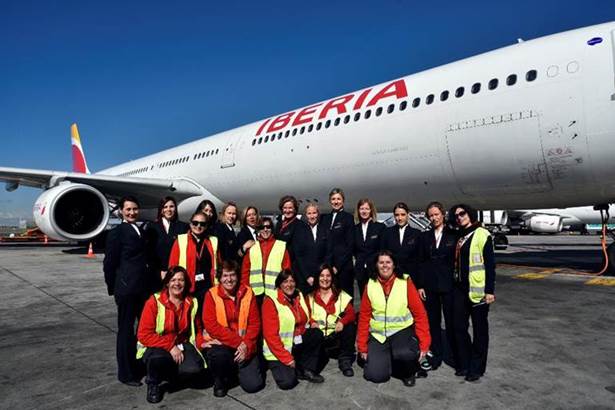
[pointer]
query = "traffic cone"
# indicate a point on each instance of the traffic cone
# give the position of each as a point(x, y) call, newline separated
point(46, 241)
point(90, 252)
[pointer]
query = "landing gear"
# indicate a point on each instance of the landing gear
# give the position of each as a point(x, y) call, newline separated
point(500, 241)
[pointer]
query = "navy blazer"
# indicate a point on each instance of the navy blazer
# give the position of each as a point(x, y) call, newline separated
point(437, 264)
point(340, 240)
point(227, 242)
point(125, 263)
point(406, 253)
point(159, 242)
point(365, 250)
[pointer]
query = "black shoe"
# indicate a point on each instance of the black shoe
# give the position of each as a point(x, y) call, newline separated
point(348, 372)
point(421, 374)
point(154, 393)
point(472, 377)
point(133, 383)
point(461, 373)
point(312, 377)
point(220, 391)
point(409, 381)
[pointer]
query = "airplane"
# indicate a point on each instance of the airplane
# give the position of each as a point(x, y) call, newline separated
point(530, 125)
point(555, 220)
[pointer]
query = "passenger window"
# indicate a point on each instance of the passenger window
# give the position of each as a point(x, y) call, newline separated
point(217, 149)
point(280, 135)
point(302, 130)
point(318, 126)
point(287, 133)
point(493, 84)
point(429, 99)
point(294, 132)
point(260, 140)
point(416, 102)
point(511, 79)
point(368, 114)
point(390, 108)
point(266, 139)
point(459, 92)
point(444, 95)
point(337, 121)
point(531, 75)
point(311, 127)
point(378, 111)
point(475, 88)
point(346, 119)
point(403, 105)
point(328, 124)
point(357, 116)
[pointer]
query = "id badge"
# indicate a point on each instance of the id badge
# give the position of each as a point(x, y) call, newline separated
point(199, 277)
point(298, 340)
point(477, 258)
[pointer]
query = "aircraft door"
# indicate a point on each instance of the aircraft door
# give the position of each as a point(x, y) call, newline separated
point(229, 153)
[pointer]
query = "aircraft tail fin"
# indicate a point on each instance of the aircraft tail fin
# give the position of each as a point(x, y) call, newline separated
point(79, 162)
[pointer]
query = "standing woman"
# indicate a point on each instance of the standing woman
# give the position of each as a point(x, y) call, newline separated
point(248, 235)
point(313, 241)
point(340, 241)
point(436, 280)
point(367, 238)
point(197, 252)
point(225, 231)
point(167, 334)
point(293, 231)
point(161, 235)
point(208, 208)
point(392, 318)
point(473, 291)
point(333, 313)
point(126, 276)
point(403, 242)
point(289, 346)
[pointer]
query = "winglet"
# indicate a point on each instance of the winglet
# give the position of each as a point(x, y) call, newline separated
point(79, 163)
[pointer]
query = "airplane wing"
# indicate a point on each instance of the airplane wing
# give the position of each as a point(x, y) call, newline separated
point(148, 190)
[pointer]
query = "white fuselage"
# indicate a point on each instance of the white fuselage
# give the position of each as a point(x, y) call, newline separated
point(535, 144)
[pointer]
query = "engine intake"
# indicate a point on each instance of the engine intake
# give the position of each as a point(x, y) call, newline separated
point(545, 223)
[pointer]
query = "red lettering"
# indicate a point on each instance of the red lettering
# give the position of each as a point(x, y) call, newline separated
point(398, 90)
point(304, 112)
point(361, 98)
point(280, 122)
point(260, 129)
point(338, 103)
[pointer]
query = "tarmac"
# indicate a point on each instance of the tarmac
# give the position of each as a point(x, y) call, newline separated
point(552, 341)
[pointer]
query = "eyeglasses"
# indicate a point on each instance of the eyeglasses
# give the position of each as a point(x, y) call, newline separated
point(198, 223)
point(266, 227)
point(460, 214)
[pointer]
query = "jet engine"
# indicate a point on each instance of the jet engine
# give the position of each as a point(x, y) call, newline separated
point(74, 212)
point(545, 223)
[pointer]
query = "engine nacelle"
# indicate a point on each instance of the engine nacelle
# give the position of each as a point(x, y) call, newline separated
point(545, 223)
point(74, 212)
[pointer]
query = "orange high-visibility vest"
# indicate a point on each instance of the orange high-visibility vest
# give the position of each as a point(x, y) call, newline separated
point(244, 309)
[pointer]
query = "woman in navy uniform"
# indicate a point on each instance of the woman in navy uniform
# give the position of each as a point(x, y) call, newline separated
point(224, 229)
point(250, 223)
point(160, 236)
point(340, 241)
point(403, 241)
point(367, 239)
point(128, 281)
point(435, 285)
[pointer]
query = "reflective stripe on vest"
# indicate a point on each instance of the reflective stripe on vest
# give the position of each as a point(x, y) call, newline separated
point(182, 244)
point(327, 322)
point(274, 267)
point(476, 271)
point(160, 319)
point(389, 315)
point(286, 318)
point(244, 310)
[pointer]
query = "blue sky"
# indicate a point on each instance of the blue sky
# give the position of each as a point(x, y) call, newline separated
point(142, 76)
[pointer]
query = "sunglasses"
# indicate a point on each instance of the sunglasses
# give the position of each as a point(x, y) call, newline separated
point(198, 223)
point(266, 227)
point(460, 214)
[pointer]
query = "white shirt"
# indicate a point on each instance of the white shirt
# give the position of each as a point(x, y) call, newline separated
point(364, 229)
point(438, 234)
point(402, 230)
point(136, 228)
point(314, 231)
point(333, 215)
point(252, 232)
point(167, 224)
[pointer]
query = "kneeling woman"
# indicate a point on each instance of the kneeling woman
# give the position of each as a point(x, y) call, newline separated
point(167, 335)
point(232, 324)
point(333, 314)
point(392, 318)
point(290, 349)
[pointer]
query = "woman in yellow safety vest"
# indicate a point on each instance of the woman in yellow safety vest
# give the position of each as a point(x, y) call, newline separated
point(333, 313)
point(232, 326)
point(167, 334)
point(473, 292)
point(392, 317)
point(290, 345)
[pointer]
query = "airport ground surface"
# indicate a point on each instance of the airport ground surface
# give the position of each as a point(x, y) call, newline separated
point(552, 341)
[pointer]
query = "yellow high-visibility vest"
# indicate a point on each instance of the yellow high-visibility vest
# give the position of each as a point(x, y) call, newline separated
point(286, 318)
point(182, 242)
point(266, 283)
point(476, 272)
point(327, 322)
point(389, 315)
